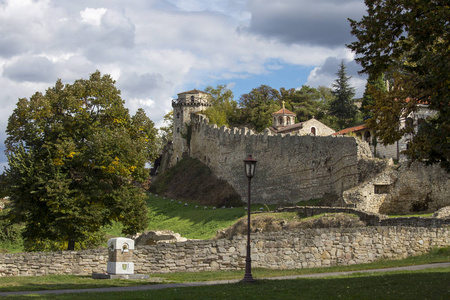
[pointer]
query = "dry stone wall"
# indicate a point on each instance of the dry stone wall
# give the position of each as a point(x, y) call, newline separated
point(277, 250)
point(290, 167)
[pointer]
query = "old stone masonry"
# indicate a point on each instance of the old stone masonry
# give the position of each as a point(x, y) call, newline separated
point(293, 167)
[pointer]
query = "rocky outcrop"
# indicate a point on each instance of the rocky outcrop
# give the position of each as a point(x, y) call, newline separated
point(155, 237)
point(404, 189)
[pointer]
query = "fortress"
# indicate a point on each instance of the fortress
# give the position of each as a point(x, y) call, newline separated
point(290, 167)
point(293, 167)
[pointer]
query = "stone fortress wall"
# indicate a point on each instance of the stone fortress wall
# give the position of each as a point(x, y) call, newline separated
point(290, 167)
point(278, 250)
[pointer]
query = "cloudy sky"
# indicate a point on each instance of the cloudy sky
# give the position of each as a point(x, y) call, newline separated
point(155, 49)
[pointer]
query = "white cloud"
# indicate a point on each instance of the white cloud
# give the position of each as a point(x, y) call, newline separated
point(325, 74)
point(156, 49)
point(92, 16)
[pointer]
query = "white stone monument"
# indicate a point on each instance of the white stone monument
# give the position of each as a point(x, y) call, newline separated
point(120, 252)
point(120, 260)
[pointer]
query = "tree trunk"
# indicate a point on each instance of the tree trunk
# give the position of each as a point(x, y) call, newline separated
point(71, 245)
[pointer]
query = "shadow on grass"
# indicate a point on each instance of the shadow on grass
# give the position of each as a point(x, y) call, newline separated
point(431, 284)
point(58, 282)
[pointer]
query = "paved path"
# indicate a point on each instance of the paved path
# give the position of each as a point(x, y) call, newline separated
point(205, 283)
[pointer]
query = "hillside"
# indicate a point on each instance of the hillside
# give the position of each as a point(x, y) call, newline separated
point(191, 180)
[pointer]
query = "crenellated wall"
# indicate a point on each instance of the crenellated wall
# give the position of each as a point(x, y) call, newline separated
point(290, 167)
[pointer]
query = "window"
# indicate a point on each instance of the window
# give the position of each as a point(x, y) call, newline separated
point(178, 115)
point(382, 188)
point(192, 99)
point(178, 129)
point(313, 131)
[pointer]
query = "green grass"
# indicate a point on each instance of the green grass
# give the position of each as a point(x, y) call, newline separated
point(189, 221)
point(60, 282)
point(427, 215)
point(424, 284)
point(434, 256)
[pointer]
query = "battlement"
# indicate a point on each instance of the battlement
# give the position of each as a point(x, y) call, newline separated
point(290, 167)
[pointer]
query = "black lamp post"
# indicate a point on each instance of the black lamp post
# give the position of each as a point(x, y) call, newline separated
point(250, 166)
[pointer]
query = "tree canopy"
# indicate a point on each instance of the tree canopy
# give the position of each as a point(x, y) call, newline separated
point(76, 157)
point(409, 40)
point(224, 109)
point(259, 105)
point(165, 133)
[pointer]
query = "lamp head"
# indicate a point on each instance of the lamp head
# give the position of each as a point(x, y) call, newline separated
point(250, 166)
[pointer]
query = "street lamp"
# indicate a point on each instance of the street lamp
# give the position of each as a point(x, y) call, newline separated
point(250, 166)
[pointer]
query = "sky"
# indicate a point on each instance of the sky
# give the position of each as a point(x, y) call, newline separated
point(155, 49)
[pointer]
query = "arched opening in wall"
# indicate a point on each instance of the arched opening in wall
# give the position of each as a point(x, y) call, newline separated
point(313, 131)
point(178, 129)
point(358, 135)
point(192, 99)
point(177, 159)
point(288, 121)
point(280, 121)
point(367, 137)
point(178, 115)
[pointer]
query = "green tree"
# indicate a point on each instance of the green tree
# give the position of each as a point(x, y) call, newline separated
point(409, 39)
point(224, 108)
point(326, 94)
point(165, 133)
point(258, 107)
point(378, 83)
point(342, 106)
point(307, 103)
point(76, 158)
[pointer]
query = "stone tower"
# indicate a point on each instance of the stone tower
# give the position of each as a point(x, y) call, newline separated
point(187, 104)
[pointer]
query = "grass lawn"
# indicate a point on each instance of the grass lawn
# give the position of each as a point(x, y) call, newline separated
point(425, 284)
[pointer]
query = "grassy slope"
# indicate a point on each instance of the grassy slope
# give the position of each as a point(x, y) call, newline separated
point(189, 221)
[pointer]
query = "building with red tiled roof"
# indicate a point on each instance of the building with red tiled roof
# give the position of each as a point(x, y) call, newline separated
point(283, 117)
point(284, 122)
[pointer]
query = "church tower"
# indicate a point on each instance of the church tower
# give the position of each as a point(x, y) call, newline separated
point(187, 104)
point(283, 117)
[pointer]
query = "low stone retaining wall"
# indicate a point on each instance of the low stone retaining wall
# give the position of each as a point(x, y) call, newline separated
point(371, 219)
point(277, 250)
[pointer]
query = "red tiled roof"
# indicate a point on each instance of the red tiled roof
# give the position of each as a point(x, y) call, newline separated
point(351, 129)
point(284, 111)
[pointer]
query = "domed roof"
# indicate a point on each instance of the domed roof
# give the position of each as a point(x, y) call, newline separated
point(283, 112)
